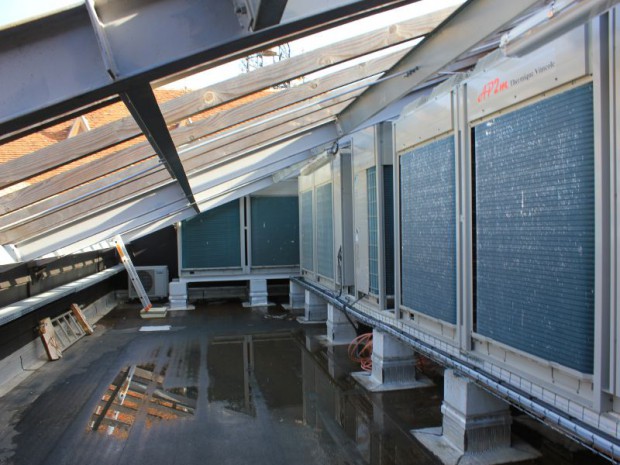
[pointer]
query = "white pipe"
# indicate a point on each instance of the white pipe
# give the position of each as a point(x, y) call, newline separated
point(550, 24)
point(594, 440)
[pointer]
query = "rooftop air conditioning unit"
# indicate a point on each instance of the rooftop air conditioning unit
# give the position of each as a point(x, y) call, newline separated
point(154, 279)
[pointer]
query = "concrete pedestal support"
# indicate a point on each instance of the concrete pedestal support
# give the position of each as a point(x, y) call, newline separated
point(335, 355)
point(296, 298)
point(476, 427)
point(177, 296)
point(257, 294)
point(339, 328)
point(315, 309)
point(473, 420)
point(393, 366)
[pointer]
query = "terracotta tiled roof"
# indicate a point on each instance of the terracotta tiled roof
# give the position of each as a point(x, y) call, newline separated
point(100, 117)
point(59, 132)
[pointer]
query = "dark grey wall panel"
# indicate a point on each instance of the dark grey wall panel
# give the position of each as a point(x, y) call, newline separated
point(157, 248)
point(535, 228)
point(373, 234)
point(213, 238)
point(275, 231)
point(388, 208)
point(428, 229)
point(307, 250)
point(324, 231)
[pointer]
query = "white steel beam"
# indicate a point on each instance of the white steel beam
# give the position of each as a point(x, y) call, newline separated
point(92, 229)
point(243, 176)
point(324, 134)
point(167, 204)
point(471, 24)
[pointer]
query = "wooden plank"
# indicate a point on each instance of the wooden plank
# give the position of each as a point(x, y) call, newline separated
point(282, 99)
point(75, 177)
point(106, 136)
point(149, 184)
point(81, 319)
point(144, 182)
point(297, 66)
point(49, 340)
point(232, 146)
point(202, 128)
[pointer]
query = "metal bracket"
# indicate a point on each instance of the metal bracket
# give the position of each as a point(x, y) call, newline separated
point(102, 40)
point(245, 11)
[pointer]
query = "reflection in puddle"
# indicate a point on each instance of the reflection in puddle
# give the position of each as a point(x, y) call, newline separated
point(138, 390)
point(280, 388)
point(230, 364)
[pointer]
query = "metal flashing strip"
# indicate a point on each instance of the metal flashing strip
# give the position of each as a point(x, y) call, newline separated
point(23, 307)
point(595, 431)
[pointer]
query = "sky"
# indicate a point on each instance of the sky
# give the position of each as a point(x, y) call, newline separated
point(15, 11)
point(321, 39)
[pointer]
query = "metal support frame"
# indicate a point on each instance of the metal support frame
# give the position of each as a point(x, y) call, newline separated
point(146, 211)
point(397, 232)
point(473, 22)
point(99, 50)
point(464, 221)
point(143, 106)
point(602, 213)
point(269, 13)
point(379, 187)
point(614, 57)
point(246, 236)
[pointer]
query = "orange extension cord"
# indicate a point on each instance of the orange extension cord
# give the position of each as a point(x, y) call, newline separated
point(360, 351)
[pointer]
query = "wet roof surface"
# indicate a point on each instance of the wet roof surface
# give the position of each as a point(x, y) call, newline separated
point(223, 385)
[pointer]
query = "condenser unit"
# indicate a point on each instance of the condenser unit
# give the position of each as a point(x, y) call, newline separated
point(154, 279)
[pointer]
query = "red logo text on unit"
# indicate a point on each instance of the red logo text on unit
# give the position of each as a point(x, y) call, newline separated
point(491, 88)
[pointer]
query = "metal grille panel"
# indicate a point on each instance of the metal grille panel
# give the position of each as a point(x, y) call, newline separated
point(428, 229)
point(535, 228)
point(307, 250)
point(275, 231)
point(373, 237)
point(324, 231)
point(388, 202)
point(213, 238)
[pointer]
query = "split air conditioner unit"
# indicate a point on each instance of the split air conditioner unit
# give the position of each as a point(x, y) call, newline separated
point(154, 279)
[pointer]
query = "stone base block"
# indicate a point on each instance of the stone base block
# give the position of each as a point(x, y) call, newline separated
point(477, 433)
point(339, 329)
point(443, 449)
point(177, 296)
point(257, 294)
point(257, 305)
point(179, 305)
point(340, 333)
point(315, 308)
point(154, 312)
point(304, 321)
point(371, 384)
point(296, 298)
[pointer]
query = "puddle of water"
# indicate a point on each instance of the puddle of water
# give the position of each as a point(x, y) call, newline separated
point(284, 394)
point(279, 377)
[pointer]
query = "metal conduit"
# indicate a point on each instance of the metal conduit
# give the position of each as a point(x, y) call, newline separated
point(596, 441)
